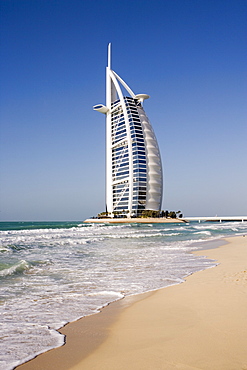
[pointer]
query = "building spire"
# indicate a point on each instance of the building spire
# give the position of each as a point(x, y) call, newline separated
point(109, 56)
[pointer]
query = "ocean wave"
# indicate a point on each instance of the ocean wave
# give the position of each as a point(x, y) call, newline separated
point(17, 268)
point(133, 236)
point(3, 249)
point(205, 232)
point(106, 293)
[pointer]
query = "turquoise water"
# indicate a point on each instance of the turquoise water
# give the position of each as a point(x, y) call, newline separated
point(52, 273)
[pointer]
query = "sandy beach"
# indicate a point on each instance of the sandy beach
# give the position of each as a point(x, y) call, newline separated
point(199, 324)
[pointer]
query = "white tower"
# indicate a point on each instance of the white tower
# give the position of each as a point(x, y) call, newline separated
point(134, 180)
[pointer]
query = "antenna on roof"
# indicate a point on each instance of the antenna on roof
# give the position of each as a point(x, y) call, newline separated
point(109, 55)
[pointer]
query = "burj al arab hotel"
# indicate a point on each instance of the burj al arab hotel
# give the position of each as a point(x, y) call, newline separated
point(134, 180)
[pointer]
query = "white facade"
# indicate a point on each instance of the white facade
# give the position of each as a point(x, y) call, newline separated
point(134, 179)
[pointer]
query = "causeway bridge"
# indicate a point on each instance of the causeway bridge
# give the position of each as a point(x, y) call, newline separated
point(216, 219)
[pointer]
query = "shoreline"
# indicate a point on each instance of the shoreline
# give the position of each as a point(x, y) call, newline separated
point(101, 341)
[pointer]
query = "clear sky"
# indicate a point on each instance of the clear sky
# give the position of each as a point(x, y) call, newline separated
point(190, 56)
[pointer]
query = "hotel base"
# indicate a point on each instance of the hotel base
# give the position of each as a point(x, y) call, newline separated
point(135, 220)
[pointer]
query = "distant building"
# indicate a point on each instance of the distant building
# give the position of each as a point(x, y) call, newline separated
point(134, 180)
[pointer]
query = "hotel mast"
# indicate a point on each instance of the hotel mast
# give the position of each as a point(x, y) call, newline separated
point(134, 179)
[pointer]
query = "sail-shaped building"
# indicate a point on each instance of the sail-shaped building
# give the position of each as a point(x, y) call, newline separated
point(134, 180)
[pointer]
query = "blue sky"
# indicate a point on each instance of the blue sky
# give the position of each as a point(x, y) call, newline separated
point(188, 55)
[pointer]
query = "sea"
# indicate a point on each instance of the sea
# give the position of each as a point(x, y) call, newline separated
point(52, 273)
